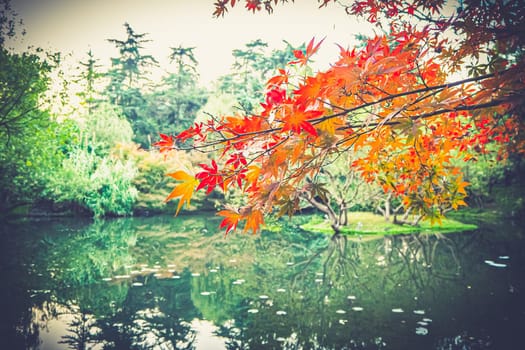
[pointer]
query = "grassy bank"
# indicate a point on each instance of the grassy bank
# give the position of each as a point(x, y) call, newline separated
point(369, 223)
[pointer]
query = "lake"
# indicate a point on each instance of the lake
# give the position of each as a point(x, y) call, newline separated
point(179, 283)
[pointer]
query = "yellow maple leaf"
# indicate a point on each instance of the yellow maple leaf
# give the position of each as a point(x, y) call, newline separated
point(252, 176)
point(184, 190)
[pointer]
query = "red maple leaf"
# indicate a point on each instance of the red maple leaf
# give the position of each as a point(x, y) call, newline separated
point(303, 58)
point(195, 130)
point(275, 96)
point(210, 177)
point(253, 5)
point(165, 144)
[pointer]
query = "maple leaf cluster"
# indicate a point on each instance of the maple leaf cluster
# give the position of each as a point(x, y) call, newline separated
point(388, 102)
point(222, 6)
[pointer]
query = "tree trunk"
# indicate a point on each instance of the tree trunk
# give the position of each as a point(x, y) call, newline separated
point(335, 219)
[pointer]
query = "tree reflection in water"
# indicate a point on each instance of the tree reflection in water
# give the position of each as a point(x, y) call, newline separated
point(389, 269)
point(422, 260)
point(82, 330)
point(286, 290)
point(155, 316)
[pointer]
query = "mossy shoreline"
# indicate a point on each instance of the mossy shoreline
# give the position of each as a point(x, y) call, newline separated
point(365, 223)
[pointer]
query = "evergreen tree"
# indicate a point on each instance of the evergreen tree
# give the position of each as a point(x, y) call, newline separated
point(127, 75)
point(173, 106)
point(88, 78)
point(186, 65)
point(252, 67)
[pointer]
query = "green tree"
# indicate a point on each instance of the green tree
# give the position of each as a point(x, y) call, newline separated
point(24, 79)
point(486, 174)
point(31, 143)
point(251, 68)
point(9, 22)
point(186, 63)
point(29, 161)
point(128, 68)
point(126, 77)
point(337, 190)
point(88, 78)
point(173, 105)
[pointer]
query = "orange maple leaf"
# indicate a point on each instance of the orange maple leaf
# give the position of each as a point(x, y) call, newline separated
point(184, 190)
point(278, 80)
point(310, 89)
point(230, 221)
point(253, 221)
point(297, 120)
point(252, 177)
point(253, 217)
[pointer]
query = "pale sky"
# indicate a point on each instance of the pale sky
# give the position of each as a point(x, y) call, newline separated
point(75, 26)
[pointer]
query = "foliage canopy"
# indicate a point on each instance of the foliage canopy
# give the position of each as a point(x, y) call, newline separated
point(391, 103)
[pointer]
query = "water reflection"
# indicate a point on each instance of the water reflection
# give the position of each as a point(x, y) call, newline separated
point(155, 316)
point(82, 330)
point(161, 283)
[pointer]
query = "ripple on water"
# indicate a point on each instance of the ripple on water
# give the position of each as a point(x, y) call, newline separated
point(421, 331)
point(122, 277)
point(494, 264)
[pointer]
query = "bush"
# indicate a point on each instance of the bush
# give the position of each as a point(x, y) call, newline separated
point(151, 181)
point(105, 127)
point(112, 191)
point(104, 186)
point(90, 177)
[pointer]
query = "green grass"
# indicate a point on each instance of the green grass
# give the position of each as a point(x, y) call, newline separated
point(371, 224)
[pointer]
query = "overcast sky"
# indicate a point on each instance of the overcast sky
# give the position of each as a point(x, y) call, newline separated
point(75, 26)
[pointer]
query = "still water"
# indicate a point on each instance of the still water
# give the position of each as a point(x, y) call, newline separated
point(177, 283)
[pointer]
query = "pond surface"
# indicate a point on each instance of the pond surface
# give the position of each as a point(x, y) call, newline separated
point(177, 283)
